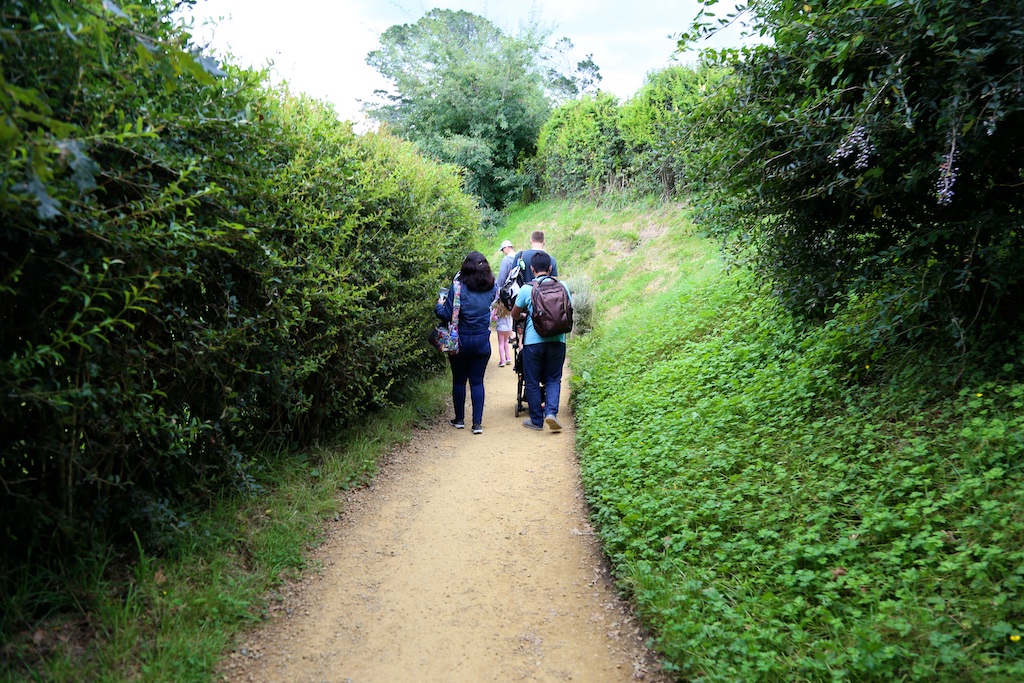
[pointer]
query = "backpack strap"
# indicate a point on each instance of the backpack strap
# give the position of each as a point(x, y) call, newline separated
point(457, 301)
point(534, 284)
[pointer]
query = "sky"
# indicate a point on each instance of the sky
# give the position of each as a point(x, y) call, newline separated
point(319, 46)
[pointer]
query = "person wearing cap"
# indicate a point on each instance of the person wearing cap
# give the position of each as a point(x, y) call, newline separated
point(503, 320)
point(507, 260)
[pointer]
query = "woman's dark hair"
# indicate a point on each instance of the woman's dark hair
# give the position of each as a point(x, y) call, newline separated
point(476, 273)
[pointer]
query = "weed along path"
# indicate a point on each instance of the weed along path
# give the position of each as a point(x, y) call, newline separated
point(468, 559)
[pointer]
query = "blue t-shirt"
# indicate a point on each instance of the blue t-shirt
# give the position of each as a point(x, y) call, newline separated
point(527, 257)
point(524, 300)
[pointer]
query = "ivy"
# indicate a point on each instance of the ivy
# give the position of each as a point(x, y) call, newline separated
point(784, 505)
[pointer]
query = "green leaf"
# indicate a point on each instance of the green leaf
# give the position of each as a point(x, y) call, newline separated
point(210, 65)
point(84, 168)
point(48, 207)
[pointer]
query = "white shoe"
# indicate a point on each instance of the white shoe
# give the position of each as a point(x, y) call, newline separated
point(553, 423)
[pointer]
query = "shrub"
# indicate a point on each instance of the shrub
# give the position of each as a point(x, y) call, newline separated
point(579, 147)
point(582, 304)
point(872, 149)
point(194, 270)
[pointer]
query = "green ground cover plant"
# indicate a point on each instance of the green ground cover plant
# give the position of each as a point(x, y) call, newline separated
point(786, 504)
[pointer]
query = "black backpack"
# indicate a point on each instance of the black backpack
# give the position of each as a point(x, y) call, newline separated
point(513, 283)
point(552, 307)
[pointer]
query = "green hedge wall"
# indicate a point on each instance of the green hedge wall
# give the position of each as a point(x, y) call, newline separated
point(193, 269)
point(646, 145)
point(580, 149)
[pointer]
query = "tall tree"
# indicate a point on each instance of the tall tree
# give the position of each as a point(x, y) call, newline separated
point(467, 94)
point(568, 81)
point(874, 149)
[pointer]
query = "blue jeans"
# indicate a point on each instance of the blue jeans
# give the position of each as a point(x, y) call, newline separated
point(468, 365)
point(542, 364)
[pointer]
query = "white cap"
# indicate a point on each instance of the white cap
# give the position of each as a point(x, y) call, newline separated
point(504, 244)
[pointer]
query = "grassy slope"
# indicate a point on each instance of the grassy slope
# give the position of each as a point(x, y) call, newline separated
point(783, 505)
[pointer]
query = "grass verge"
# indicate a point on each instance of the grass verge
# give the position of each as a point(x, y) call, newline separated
point(169, 618)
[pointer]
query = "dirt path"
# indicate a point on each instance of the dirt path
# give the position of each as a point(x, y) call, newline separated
point(470, 558)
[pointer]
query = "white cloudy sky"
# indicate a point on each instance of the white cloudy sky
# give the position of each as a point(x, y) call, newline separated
point(320, 46)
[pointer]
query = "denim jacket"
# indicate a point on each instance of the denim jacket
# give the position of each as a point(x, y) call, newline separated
point(474, 310)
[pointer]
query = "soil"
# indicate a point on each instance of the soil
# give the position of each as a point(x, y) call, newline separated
point(469, 558)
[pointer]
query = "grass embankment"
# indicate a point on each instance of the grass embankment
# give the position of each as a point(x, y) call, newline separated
point(784, 502)
point(170, 618)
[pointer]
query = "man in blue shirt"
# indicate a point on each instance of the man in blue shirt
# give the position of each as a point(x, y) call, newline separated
point(536, 247)
point(543, 357)
point(526, 257)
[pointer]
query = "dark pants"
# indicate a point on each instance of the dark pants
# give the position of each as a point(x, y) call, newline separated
point(468, 365)
point(542, 364)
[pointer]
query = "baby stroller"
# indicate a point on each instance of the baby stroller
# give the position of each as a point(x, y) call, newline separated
point(522, 405)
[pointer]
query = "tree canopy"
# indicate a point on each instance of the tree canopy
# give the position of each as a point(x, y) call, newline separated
point(566, 80)
point(873, 150)
point(466, 93)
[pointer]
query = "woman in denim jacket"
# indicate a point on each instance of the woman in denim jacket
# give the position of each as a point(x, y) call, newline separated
point(477, 291)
